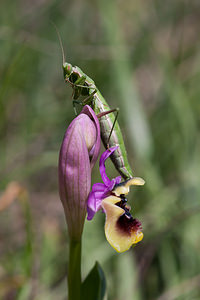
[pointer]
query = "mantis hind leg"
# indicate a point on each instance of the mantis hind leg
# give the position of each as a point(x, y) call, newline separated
point(115, 110)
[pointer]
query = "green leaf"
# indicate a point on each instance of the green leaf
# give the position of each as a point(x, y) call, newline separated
point(94, 285)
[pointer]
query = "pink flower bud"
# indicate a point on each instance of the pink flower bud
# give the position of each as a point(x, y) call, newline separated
point(78, 154)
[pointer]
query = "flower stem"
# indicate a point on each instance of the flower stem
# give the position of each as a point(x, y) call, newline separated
point(74, 270)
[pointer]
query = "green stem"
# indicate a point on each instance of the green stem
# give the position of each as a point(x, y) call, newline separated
point(74, 270)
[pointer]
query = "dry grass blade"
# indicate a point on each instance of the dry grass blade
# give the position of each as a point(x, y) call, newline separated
point(12, 192)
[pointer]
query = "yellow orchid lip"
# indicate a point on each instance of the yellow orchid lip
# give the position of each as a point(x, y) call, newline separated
point(121, 230)
point(123, 187)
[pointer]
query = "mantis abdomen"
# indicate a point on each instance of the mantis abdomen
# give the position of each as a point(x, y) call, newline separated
point(119, 157)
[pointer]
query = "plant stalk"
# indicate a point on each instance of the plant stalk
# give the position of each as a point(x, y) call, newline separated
point(74, 270)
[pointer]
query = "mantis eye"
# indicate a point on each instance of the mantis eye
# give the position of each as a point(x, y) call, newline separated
point(67, 69)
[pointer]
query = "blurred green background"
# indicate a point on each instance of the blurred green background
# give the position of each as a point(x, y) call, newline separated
point(144, 57)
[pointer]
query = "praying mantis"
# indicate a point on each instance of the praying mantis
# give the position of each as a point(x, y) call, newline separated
point(111, 134)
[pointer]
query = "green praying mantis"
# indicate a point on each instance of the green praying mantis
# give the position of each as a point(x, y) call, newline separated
point(111, 134)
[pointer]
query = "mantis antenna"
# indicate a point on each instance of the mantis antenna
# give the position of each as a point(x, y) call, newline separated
point(60, 42)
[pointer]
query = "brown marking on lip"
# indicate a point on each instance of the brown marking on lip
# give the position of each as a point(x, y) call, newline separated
point(127, 225)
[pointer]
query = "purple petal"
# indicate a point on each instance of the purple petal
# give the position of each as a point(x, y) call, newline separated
point(98, 190)
point(98, 187)
point(98, 193)
point(102, 167)
point(91, 214)
point(94, 199)
point(91, 207)
point(118, 179)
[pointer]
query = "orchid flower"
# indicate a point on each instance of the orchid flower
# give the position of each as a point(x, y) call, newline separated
point(121, 230)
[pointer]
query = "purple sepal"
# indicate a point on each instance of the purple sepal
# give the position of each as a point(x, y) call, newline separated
point(101, 190)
